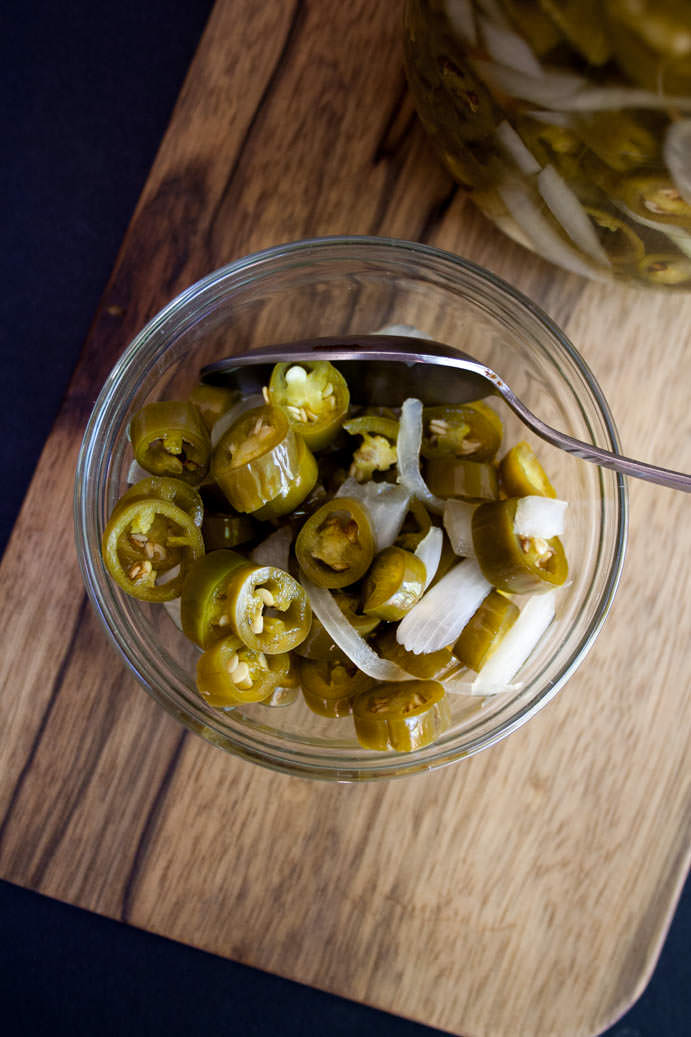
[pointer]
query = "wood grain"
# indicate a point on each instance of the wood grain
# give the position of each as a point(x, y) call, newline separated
point(525, 891)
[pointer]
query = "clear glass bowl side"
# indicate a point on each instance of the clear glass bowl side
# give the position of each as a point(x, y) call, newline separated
point(355, 286)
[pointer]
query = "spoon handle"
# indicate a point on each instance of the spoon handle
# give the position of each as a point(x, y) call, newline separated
point(604, 458)
point(476, 380)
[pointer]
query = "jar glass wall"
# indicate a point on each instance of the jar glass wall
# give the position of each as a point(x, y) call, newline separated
point(569, 123)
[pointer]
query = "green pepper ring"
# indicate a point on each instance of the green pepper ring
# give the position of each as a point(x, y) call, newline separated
point(119, 523)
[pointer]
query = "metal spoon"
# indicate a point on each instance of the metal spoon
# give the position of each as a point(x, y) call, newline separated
point(376, 366)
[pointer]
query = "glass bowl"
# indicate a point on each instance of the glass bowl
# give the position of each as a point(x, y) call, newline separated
point(568, 124)
point(356, 285)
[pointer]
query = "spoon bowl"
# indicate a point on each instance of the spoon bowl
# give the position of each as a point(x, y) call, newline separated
point(383, 369)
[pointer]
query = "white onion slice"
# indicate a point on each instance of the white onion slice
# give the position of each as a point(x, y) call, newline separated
point(429, 552)
point(385, 503)
point(677, 152)
point(227, 419)
point(408, 449)
point(527, 213)
point(549, 89)
point(441, 613)
point(533, 620)
point(135, 473)
point(173, 610)
point(513, 147)
point(494, 12)
point(539, 517)
point(399, 329)
point(567, 92)
point(551, 118)
point(680, 238)
point(510, 49)
point(568, 211)
point(458, 523)
point(347, 638)
point(460, 14)
point(171, 607)
point(275, 550)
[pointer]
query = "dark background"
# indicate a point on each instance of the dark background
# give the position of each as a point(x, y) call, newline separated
point(87, 91)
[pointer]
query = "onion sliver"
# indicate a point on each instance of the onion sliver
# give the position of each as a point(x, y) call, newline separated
point(550, 89)
point(677, 152)
point(429, 552)
point(385, 503)
point(443, 611)
point(568, 211)
point(226, 420)
point(458, 523)
point(527, 213)
point(408, 449)
point(680, 238)
point(570, 93)
point(513, 147)
point(539, 517)
point(508, 48)
point(460, 14)
point(275, 550)
point(399, 329)
point(347, 638)
point(533, 620)
point(135, 473)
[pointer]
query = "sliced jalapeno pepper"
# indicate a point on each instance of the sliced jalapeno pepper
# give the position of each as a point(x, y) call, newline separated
point(655, 197)
point(425, 665)
point(394, 583)
point(174, 490)
point(170, 438)
point(204, 597)
point(335, 547)
point(213, 401)
point(257, 459)
point(522, 475)
point(512, 563)
point(267, 608)
point(485, 630)
point(317, 644)
point(619, 240)
point(416, 526)
point(298, 490)
point(377, 452)
point(315, 397)
point(263, 606)
point(402, 716)
point(329, 685)
point(288, 688)
point(620, 140)
point(465, 480)
point(221, 530)
point(666, 268)
point(582, 24)
point(229, 672)
point(349, 604)
point(162, 532)
point(472, 431)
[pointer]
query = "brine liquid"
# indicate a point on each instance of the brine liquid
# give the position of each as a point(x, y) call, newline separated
point(568, 122)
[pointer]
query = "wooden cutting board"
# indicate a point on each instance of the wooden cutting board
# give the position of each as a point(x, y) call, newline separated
point(524, 891)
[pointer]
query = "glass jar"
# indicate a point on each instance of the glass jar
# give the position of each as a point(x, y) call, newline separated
point(568, 121)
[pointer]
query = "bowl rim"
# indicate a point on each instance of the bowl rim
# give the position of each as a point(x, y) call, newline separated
point(401, 764)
